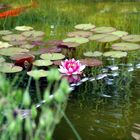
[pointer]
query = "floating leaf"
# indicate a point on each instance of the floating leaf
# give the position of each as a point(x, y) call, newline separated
point(52, 56)
point(49, 50)
point(93, 54)
point(13, 37)
point(38, 43)
point(33, 34)
point(23, 28)
point(4, 45)
point(103, 30)
point(131, 38)
point(79, 34)
point(119, 33)
point(37, 73)
point(12, 51)
point(104, 38)
point(84, 26)
point(115, 54)
point(91, 62)
point(23, 57)
point(42, 63)
point(18, 42)
point(5, 32)
point(57, 62)
point(68, 45)
point(27, 46)
point(79, 40)
point(9, 68)
point(54, 42)
point(125, 46)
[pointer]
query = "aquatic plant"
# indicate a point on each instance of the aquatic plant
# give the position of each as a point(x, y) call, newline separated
point(71, 67)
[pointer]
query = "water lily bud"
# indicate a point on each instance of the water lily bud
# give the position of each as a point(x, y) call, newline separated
point(47, 97)
point(28, 126)
point(59, 96)
point(26, 98)
point(53, 75)
point(33, 111)
point(64, 86)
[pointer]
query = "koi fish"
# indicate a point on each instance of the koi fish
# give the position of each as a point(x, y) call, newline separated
point(16, 11)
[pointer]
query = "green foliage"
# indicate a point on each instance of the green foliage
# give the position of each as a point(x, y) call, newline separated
point(23, 119)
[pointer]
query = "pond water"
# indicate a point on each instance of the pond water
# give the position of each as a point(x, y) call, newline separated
point(105, 103)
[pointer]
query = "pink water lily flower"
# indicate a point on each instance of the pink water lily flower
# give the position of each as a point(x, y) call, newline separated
point(71, 67)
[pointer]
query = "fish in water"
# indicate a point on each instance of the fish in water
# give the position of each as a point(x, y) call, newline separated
point(16, 11)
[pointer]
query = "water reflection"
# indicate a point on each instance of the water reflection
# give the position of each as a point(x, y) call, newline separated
point(104, 109)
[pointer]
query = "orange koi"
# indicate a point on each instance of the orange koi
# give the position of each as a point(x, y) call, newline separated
point(16, 11)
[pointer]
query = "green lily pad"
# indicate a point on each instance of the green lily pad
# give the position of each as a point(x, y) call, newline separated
point(115, 54)
point(52, 56)
point(4, 45)
point(23, 28)
point(27, 46)
point(12, 51)
point(13, 37)
point(68, 45)
point(104, 38)
point(18, 42)
point(2, 60)
point(119, 33)
point(42, 63)
point(33, 34)
point(131, 38)
point(79, 40)
point(84, 26)
point(125, 46)
point(93, 54)
point(9, 68)
point(5, 32)
point(37, 73)
point(103, 30)
point(79, 34)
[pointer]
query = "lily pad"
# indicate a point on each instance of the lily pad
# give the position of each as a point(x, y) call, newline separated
point(33, 34)
point(54, 42)
point(38, 43)
point(79, 40)
point(57, 62)
point(37, 73)
point(49, 50)
point(131, 38)
point(42, 63)
point(5, 32)
point(12, 51)
point(52, 56)
point(104, 38)
point(23, 28)
point(18, 42)
point(2, 60)
point(79, 34)
point(68, 45)
point(119, 33)
point(91, 62)
point(93, 54)
point(125, 46)
point(4, 45)
point(115, 54)
point(84, 26)
point(103, 30)
point(23, 57)
point(27, 46)
point(13, 37)
point(9, 68)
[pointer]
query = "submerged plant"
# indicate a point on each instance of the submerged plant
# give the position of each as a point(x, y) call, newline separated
point(71, 67)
